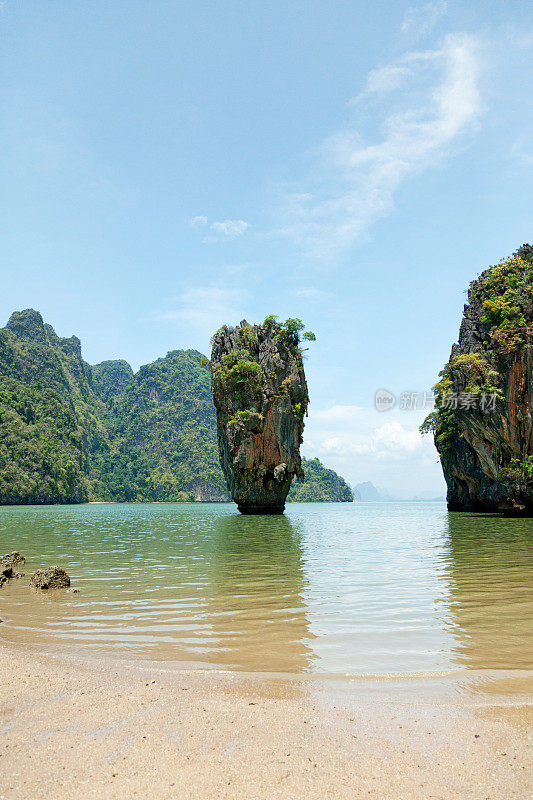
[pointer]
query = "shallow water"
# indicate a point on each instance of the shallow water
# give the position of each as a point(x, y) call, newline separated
point(330, 588)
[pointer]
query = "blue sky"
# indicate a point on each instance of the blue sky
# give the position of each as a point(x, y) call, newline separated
point(167, 167)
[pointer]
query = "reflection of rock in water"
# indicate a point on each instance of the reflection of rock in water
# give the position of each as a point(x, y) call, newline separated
point(254, 595)
point(489, 565)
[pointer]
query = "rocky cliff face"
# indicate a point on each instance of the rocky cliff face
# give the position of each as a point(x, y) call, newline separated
point(483, 427)
point(261, 398)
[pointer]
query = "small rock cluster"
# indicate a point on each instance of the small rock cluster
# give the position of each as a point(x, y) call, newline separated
point(9, 565)
point(47, 578)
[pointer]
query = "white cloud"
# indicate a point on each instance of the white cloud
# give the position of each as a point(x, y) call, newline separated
point(311, 293)
point(383, 80)
point(420, 20)
point(340, 446)
point(225, 229)
point(359, 180)
point(393, 437)
point(230, 227)
point(199, 221)
point(521, 151)
point(207, 307)
point(362, 443)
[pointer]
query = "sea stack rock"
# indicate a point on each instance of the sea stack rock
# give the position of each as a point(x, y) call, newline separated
point(261, 398)
point(482, 426)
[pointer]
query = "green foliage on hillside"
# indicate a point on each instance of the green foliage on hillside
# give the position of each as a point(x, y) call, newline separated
point(163, 434)
point(70, 432)
point(111, 379)
point(50, 421)
point(321, 485)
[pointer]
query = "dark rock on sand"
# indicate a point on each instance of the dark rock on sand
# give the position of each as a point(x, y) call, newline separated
point(50, 578)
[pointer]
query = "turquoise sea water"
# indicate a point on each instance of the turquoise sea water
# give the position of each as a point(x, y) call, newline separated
point(328, 588)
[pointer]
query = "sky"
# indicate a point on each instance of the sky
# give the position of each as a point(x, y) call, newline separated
point(168, 167)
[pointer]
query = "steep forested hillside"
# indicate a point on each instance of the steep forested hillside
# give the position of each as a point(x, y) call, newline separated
point(321, 485)
point(51, 429)
point(111, 379)
point(163, 430)
point(71, 432)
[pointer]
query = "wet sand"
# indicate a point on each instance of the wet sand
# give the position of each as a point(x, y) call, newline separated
point(77, 728)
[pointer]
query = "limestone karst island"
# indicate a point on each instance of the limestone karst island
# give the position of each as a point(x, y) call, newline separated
point(261, 398)
point(266, 389)
point(483, 426)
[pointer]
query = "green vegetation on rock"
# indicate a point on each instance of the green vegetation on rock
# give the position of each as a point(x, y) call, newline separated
point(506, 294)
point(482, 424)
point(239, 374)
point(321, 485)
point(290, 332)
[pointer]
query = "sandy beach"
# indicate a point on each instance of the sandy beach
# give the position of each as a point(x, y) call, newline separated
point(71, 727)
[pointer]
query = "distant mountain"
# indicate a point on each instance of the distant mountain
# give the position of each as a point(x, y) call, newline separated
point(425, 497)
point(72, 432)
point(367, 492)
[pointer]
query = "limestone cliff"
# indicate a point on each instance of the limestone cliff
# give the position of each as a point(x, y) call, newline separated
point(483, 427)
point(261, 398)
